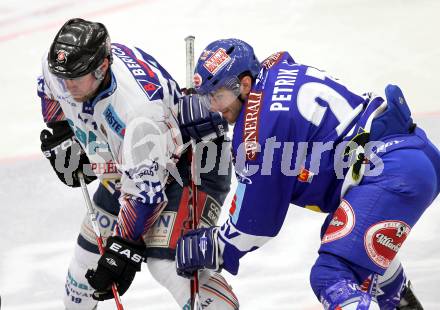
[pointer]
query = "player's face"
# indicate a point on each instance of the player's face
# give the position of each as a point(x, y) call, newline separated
point(82, 88)
point(85, 87)
point(226, 102)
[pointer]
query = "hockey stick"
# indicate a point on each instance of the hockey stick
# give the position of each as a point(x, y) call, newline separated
point(92, 216)
point(195, 296)
point(189, 40)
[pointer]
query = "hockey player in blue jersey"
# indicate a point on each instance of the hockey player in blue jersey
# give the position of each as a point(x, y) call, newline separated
point(301, 137)
point(113, 112)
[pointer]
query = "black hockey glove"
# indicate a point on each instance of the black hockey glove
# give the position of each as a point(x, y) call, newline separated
point(197, 121)
point(65, 154)
point(119, 264)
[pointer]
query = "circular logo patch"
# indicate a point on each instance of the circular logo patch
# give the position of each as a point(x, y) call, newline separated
point(61, 56)
point(383, 240)
point(341, 224)
point(197, 80)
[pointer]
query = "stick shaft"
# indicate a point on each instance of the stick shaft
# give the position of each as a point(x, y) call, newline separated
point(189, 40)
point(195, 296)
point(92, 216)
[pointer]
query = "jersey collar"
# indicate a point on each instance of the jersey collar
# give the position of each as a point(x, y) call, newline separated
point(89, 105)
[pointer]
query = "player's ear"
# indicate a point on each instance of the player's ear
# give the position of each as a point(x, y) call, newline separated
point(245, 86)
point(105, 64)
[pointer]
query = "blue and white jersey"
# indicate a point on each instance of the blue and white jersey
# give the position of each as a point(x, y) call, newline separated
point(129, 132)
point(293, 110)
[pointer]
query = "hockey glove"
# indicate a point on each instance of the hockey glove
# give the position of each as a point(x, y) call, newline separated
point(65, 154)
point(119, 264)
point(197, 121)
point(198, 249)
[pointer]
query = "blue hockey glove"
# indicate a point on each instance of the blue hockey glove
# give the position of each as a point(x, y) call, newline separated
point(198, 249)
point(197, 121)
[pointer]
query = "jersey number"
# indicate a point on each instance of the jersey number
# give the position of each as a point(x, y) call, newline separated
point(312, 93)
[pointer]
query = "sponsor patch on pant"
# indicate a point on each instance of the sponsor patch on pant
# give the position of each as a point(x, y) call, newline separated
point(383, 240)
point(341, 224)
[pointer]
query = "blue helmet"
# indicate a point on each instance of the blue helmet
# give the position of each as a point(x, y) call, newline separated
point(222, 60)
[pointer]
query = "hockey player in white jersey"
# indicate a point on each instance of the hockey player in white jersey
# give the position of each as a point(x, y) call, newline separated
point(113, 113)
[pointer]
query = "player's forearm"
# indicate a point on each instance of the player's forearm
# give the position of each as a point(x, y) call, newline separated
point(234, 244)
point(135, 218)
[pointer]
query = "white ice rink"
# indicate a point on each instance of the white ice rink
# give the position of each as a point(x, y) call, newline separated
point(367, 43)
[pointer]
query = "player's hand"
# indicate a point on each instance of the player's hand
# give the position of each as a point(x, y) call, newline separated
point(119, 264)
point(197, 250)
point(188, 91)
point(197, 121)
point(65, 154)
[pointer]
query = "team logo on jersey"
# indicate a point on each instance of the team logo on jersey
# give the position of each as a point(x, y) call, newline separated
point(197, 80)
point(342, 223)
point(383, 240)
point(217, 61)
point(113, 120)
point(149, 88)
point(61, 56)
point(305, 176)
point(233, 205)
point(272, 60)
point(251, 122)
point(143, 74)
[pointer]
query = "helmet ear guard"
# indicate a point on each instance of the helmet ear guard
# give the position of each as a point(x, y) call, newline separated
point(98, 74)
point(229, 82)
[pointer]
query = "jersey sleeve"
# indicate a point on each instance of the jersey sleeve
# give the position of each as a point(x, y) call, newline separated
point(256, 215)
point(145, 157)
point(50, 108)
point(265, 186)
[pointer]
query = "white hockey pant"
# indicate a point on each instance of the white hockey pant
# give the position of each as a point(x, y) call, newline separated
point(215, 292)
